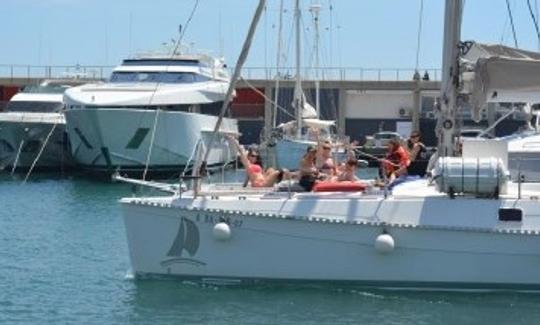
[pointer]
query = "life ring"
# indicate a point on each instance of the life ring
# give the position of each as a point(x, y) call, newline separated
point(339, 187)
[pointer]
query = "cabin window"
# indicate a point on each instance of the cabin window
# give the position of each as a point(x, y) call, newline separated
point(31, 106)
point(161, 62)
point(510, 214)
point(163, 77)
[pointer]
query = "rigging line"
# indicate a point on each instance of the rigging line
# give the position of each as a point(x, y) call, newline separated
point(39, 153)
point(537, 14)
point(338, 36)
point(281, 108)
point(512, 22)
point(154, 127)
point(265, 35)
point(418, 36)
point(331, 14)
point(186, 25)
point(534, 19)
point(152, 138)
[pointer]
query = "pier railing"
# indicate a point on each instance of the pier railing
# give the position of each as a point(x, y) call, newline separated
point(19, 71)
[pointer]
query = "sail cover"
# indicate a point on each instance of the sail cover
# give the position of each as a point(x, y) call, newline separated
point(503, 74)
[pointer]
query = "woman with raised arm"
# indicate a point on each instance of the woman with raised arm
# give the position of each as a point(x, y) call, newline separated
point(251, 160)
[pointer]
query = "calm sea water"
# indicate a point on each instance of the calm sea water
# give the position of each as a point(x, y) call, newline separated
point(64, 259)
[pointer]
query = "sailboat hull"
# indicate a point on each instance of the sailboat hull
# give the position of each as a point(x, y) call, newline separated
point(307, 242)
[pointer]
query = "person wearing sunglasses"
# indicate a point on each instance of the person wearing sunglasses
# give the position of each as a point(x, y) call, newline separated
point(324, 162)
point(251, 160)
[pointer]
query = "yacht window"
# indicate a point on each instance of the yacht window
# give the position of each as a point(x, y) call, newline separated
point(164, 77)
point(28, 106)
point(161, 62)
point(50, 88)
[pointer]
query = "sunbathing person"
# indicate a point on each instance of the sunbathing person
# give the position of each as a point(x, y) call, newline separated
point(348, 173)
point(253, 165)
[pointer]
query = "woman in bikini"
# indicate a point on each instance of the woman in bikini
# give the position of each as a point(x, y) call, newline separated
point(324, 161)
point(253, 165)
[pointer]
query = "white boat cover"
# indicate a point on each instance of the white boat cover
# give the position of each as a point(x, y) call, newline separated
point(318, 124)
point(503, 74)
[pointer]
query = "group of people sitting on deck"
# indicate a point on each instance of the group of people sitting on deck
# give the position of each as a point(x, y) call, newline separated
point(403, 162)
point(318, 164)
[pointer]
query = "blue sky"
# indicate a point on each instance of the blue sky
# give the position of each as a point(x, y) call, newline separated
point(355, 33)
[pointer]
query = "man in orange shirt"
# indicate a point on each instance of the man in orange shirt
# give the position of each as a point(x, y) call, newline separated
point(397, 160)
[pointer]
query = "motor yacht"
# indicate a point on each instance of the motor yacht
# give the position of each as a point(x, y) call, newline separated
point(150, 115)
point(32, 130)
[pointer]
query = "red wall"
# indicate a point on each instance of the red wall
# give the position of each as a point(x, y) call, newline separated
point(248, 104)
point(6, 92)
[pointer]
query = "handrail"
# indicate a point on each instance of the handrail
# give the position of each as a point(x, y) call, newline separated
point(351, 73)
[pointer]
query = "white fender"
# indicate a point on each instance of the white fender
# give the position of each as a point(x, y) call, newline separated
point(222, 231)
point(384, 243)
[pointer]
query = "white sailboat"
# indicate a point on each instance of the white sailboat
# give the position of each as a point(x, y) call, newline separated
point(151, 114)
point(471, 228)
point(294, 137)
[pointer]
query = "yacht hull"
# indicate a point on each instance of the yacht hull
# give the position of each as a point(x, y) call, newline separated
point(21, 140)
point(464, 246)
point(105, 140)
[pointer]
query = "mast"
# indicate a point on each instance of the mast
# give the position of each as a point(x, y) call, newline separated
point(278, 64)
point(315, 9)
point(232, 86)
point(446, 123)
point(298, 96)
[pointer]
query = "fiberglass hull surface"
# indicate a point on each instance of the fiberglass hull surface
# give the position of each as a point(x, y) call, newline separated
point(435, 246)
point(28, 138)
point(105, 139)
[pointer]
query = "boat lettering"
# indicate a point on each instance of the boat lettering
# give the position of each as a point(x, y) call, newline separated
point(213, 219)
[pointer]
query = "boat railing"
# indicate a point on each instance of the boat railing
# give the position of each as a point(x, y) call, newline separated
point(340, 73)
point(28, 72)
